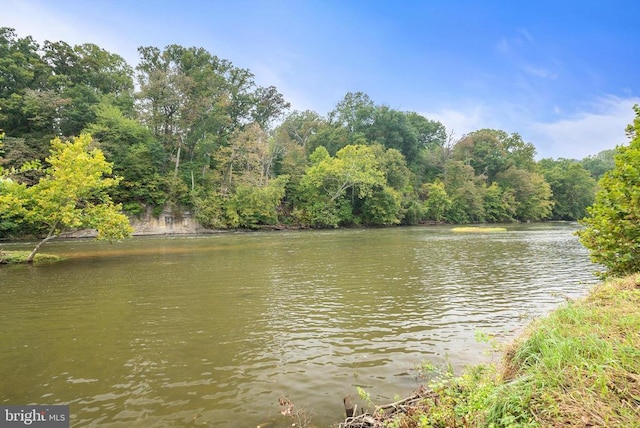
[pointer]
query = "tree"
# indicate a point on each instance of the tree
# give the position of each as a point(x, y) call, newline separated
point(354, 169)
point(84, 75)
point(301, 126)
point(466, 192)
point(292, 139)
point(355, 112)
point(531, 192)
point(612, 230)
point(491, 151)
point(24, 76)
point(599, 164)
point(21, 68)
point(332, 185)
point(137, 157)
point(269, 106)
point(437, 202)
point(392, 129)
point(382, 207)
point(499, 204)
point(333, 137)
point(252, 206)
point(187, 95)
point(247, 159)
point(572, 186)
point(71, 195)
point(430, 133)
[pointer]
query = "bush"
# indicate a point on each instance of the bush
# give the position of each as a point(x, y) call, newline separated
point(612, 232)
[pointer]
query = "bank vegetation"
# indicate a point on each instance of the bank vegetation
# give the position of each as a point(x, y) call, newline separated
point(187, 131)
point(577, 367)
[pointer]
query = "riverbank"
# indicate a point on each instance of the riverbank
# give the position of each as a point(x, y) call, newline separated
point(578, 367)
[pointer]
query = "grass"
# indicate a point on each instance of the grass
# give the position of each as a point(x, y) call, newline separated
point(478, 229)
point(16, 257)
point(578, 367)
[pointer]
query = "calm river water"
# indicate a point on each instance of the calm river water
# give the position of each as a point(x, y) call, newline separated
point(213, 330)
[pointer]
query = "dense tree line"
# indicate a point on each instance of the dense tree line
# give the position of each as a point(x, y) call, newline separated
point(186, 130)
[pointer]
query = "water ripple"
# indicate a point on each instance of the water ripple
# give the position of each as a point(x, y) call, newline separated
point(213, 330)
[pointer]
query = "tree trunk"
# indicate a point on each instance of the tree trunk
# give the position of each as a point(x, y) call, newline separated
point(49, 237)
point(175, 172)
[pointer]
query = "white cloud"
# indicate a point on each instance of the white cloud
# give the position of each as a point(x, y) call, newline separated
point(462, 121)
point(598, 126)
point(514, 43)
point(541, 72)
point(601, 126)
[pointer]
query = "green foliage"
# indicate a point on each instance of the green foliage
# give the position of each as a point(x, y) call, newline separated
point(209, 210)
point(319, 155)
point(71, 195)
point(430, 133)
point(250, 206)
point(414, 212)
point(300, 127)
point(531, 193)
point(331, 183)
point(598, 164)
point(21, 69)
point(612, 232)
point(136, 156)
point(490, 152)
point(354, 169)
point(364, 395)
point(505, 160)
point(1, 151)
point(315, 209)
point(357, 120)
point(333, 138)
point(382, 207)
point(466, 192)
point(437, 203)
point(177, 195)
point(12, 207)
point(392, 129)
point(572, 186)
point(499, 204)
point(202, 135)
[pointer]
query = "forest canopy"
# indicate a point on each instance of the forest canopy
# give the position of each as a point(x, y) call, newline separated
point(187, 130)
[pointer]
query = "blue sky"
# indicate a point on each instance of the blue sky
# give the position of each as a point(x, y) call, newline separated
point(564, 74)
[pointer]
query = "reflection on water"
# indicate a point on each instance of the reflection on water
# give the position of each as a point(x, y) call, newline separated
point(212, 330)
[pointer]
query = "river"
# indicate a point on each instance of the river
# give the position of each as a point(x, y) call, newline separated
point(212, 330)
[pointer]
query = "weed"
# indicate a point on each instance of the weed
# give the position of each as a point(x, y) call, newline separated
point(300, 418)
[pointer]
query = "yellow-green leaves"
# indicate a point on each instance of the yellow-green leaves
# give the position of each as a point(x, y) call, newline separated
point(332, 185)
point(71, 195)
point(108, 220)
point(354, 167)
